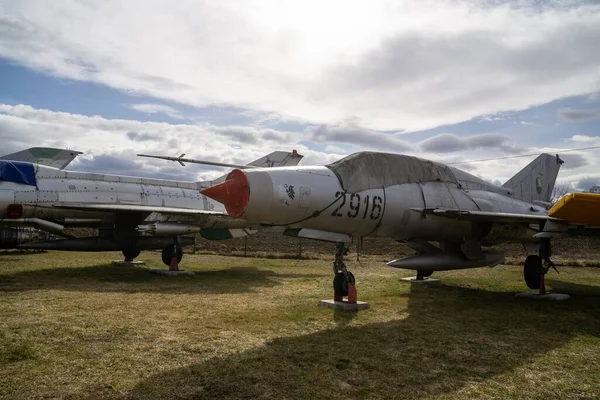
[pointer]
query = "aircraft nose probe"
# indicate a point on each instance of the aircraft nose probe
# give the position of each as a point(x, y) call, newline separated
point(233, 193)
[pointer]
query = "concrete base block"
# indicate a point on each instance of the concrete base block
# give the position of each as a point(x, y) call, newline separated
point(171, 273)
point(121, 263)
point(413, 279)
point(343, 305)
point(548, 296)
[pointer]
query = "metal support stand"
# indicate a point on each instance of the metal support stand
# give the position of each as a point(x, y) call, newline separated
point(128, 263)
point(422, 277)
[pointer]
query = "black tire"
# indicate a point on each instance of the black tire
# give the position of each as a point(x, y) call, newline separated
point(532, 271)
point(340, 283)
point(130, 254)
point(167, 254)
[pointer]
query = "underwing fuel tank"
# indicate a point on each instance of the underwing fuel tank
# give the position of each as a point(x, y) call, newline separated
point(103, 244)
point(447, 261)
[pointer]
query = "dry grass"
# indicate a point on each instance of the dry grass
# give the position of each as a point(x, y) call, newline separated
point(73, 326)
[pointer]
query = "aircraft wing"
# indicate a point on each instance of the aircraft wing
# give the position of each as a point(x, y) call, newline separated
point(578, 208)
point(137, 208)
point(487, 216)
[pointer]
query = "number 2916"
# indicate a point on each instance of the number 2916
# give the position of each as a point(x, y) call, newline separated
point(355, 206)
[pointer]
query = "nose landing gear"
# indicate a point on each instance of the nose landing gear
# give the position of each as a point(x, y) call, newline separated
point(171, 255)
point(344, 285)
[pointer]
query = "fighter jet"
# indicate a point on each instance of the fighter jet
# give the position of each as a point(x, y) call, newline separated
point(131, 213)
point(409, 199)
point(10, 238)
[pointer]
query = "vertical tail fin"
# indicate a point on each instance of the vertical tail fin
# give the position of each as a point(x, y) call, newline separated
point(536, 181)
point(57, 158)
point(278, 159)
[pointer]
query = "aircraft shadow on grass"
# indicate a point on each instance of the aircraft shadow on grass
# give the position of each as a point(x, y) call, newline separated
point(108, 278)
point(452, 337)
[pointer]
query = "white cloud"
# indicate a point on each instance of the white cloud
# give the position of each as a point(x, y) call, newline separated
point(149, 108)
point(110, 145)
point(389, 65)
point(105, 140)
point(585, 138)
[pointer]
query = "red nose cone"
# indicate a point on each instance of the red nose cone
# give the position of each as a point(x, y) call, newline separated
point(233, 193)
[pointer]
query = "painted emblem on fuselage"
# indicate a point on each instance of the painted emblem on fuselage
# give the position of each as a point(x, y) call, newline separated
point(289, 189)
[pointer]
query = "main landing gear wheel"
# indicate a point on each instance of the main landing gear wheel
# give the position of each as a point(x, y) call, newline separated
point(532, 271)
point(130, 254)
point(167, 254)
point(341, 283)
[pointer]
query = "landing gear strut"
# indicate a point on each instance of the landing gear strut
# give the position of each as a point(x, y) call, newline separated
point(343, 282)
point(536, 267)
point(172, 255)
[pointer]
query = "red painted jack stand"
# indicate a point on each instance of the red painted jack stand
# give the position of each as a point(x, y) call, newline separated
point(174, 266)
point(351, 293)
point(542, 285)
point(339, 304)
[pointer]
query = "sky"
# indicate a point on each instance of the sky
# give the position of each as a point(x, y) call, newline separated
point(230, 81)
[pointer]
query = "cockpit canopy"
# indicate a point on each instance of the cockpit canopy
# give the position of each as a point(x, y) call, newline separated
point(18, 172)
point(369, 170)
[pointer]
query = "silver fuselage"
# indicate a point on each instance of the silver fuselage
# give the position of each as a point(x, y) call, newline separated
point(317, 200)
point(58, 187)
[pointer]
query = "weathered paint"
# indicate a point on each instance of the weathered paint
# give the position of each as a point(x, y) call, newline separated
point(55, 187)
point(275, 198)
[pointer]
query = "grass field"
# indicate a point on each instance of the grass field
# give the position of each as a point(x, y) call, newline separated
point(73, 326)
